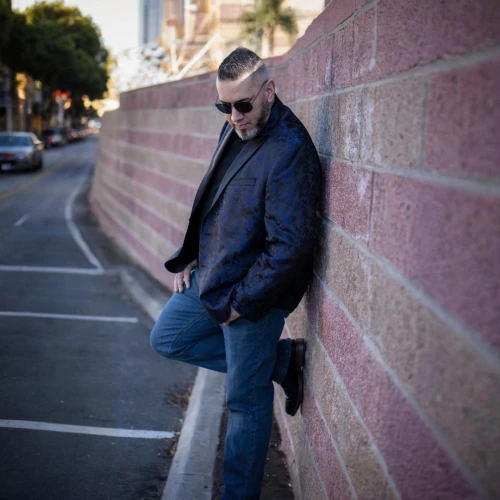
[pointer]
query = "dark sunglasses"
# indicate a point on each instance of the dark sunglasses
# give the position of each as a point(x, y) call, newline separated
point(240, 106)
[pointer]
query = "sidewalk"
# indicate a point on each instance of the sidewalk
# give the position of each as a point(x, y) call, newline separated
point(197, 470)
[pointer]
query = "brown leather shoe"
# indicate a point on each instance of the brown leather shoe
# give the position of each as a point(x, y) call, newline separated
point(293, 385)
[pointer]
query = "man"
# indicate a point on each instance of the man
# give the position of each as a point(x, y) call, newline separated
point(245, 264)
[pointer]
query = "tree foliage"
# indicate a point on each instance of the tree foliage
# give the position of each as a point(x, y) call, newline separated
point(260, 24)
point(59, 46)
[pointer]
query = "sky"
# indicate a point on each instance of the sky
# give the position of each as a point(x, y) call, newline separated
point(117, 19)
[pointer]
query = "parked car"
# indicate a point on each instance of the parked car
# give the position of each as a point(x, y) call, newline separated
point(54, 137)
point(20, 151)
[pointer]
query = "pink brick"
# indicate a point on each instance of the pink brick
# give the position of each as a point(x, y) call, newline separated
point(327, 461)
point(418, 464)
point(463, 120)
point(347, 197)
point(154, 263)
point(336, 12)
point(447, 241)
point(343, 49)
point(411, 33)
point(363, 59)
point(169, 232)
point(187, 145)
point(167, 186)
point(341, 341)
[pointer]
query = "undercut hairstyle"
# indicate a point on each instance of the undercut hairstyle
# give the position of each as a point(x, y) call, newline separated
point(243, 61)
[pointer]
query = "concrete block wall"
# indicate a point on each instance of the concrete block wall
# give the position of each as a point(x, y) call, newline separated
point(402, 101)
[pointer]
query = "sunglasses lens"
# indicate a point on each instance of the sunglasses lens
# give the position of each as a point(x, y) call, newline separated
point(223, 108)
point(243, 107)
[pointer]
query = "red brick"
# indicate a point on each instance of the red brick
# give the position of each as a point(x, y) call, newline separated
point(179, 191)
point(447, 241)
point(322, 60)
point(392, 123)
point(326, 458)
point(187, 145)
point(347, 191)
point(410, 33)
point(153, 263)
point(335, 13)
point(347, 126)
point(341, 341)
point(418, 464)
point(463, 120)
point(343, 49)
point(363, 59)
point(320, 122)
point(149, 218)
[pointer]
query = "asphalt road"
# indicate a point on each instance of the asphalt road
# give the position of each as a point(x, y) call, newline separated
point(87, 409)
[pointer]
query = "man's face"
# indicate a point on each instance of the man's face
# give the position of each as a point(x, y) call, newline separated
point(247, 125)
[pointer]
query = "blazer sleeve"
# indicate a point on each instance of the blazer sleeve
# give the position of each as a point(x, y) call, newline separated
point(291, 222)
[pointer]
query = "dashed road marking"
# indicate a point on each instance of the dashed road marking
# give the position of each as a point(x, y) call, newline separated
point(76, 317)
point(21, 220)
point(57, 270)
point(82, 429)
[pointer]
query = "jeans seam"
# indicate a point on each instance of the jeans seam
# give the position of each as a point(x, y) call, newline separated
point(254, 417)
point(184, 330)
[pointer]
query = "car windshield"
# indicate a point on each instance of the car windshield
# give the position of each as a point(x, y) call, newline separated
point(14, 140)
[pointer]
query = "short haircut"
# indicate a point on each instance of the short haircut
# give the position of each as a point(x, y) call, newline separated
point(242, 61)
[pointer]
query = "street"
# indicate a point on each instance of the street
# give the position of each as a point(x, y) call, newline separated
point(87, 409)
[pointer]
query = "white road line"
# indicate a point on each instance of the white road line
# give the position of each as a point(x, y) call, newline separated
point(81, 429)
point(80, 317)
point(68, 211)
point(60, 270)
point(21, 220)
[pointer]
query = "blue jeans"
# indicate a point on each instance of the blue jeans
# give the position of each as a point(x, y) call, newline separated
point(252, 355)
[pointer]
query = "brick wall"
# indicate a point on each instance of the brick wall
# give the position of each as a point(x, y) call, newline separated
point(402, 100)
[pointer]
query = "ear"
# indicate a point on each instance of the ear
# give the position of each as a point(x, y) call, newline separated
point(270, 90)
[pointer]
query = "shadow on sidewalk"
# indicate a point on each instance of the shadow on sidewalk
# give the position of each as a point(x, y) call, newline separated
point(276, 484)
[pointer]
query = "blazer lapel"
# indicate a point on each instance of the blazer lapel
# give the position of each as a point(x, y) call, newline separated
point(250, 148)
point(208, 175)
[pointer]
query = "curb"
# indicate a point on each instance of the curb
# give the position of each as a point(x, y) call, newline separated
point(191, 474)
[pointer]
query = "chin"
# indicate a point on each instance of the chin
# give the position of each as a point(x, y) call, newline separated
point(246, 135)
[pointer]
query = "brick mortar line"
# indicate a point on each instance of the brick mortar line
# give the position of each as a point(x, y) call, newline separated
point(337, 28)
point(332, 440)
point(142, 204)
point(160, 152)
point(151, 190)
point(486, 186)
point(151, 170)
point(155, 151)
point(373, 444)
point(119, 223)
point(112, 202)
point(292, 444)
point(460, 61)
point(456, 324)
point(315, 466)
point(377, 355)
point(164, 132)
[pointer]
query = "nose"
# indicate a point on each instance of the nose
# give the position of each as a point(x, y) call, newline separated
point(236, 116)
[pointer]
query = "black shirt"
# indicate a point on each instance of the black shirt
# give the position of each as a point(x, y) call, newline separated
point(231, 151)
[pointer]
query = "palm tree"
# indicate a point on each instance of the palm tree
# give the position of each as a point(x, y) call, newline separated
point(260, 25)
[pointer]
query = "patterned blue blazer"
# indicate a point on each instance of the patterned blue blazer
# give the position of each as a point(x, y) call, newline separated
point(257, 241)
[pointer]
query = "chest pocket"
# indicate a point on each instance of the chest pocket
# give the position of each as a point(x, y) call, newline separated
point(242, 181)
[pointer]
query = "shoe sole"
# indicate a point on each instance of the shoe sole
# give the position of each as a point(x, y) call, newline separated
point(300, 361)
